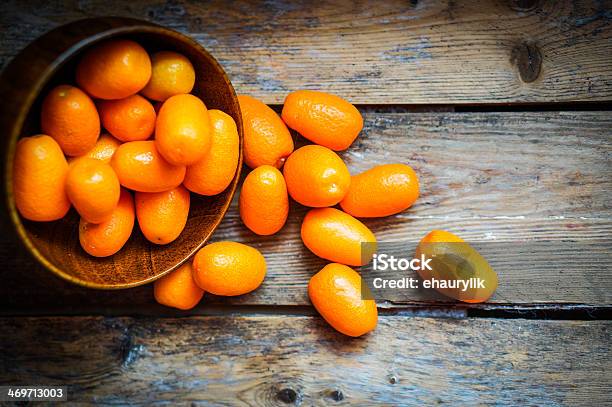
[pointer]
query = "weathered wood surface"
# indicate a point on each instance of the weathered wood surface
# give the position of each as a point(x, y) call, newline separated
point(490, 177)
point(421, 52)
point(276, 360)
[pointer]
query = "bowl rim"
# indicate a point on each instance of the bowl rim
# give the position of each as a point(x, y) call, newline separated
point(126, 26)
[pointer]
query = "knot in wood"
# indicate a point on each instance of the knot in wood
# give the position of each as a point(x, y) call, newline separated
point(523, 5)
point(528, 59)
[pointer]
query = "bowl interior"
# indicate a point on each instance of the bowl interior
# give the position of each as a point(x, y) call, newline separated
point(139, 261)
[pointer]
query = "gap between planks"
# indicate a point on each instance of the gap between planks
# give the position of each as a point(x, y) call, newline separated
point(479, 108)
point(456, 311)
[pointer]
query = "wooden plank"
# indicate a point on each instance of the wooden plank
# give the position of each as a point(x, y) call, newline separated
point(376, 52)
point(490, 177)
point(300, 360)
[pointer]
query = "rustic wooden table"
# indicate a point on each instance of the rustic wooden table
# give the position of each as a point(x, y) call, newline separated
point(502, 107)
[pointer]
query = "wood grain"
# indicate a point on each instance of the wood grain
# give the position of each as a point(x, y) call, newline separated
point(420, 52)
point(489, 177)
point(282, 360)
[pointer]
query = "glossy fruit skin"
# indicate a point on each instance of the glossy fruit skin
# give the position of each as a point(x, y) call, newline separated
point(182, 132)
point(337, 236)
point(454, 259)
point(441, 236)
point(267, 140)
point(70, 117)
point(322, 118)
point(162, 215)
point(381, 191)
point(264, 203)
point(316, 176)
point(114, 69)
point(104, 148)
point(228, 268)
point(107, 238)
point(335, 292)
point(215, 171)
point(140, 167)
point(93, 188)
point(129, 119)
point(39, 178)
point(172, 74)
point(177, 289)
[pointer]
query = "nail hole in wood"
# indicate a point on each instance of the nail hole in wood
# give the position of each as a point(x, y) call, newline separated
point(287, 396)
point(337, 395)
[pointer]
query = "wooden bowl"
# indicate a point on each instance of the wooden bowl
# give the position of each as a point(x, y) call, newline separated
point(51, 60)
